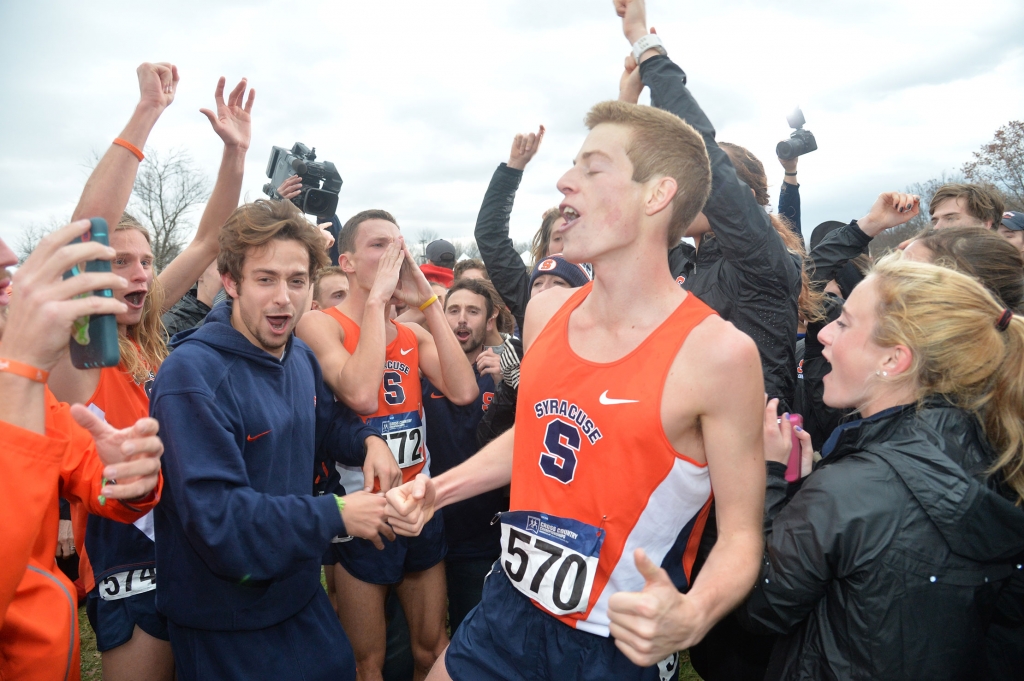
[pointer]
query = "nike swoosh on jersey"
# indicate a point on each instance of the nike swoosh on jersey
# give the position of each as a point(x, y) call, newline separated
point(253, 438)
point(436, 397)
point(604, 399)
point(405, 352)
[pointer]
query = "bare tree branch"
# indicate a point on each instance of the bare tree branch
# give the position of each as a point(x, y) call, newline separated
point(30, 237)
point(166, 190)
point(1001, 164)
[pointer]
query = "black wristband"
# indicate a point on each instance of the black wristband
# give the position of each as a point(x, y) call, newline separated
point(790, 175)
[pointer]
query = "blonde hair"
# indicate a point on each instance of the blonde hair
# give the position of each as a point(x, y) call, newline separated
point(662, 144)
point(949, 321)
point(143, 345)
point(539, 246)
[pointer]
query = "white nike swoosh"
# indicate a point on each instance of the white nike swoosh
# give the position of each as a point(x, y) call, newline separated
point(604, 399)
point(405, 352)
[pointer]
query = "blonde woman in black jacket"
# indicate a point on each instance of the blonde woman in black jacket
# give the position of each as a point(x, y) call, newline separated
point(900, 555)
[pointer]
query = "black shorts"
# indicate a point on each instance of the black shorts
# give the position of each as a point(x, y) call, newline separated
point(507, 637)
point(114, 621)
point(365, 562)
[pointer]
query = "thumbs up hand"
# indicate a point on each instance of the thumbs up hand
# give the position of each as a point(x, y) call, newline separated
point(651, 624)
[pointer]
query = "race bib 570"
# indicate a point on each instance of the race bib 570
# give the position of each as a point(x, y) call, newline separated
point(550, 559)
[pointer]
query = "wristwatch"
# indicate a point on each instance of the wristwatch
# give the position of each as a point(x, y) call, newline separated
point(651, 41)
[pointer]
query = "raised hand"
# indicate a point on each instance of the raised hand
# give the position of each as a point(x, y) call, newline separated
point(488, 362)
point(131, 455)
point(326, 235)
point(365, 518)
point(651, 624)
point(524, 147)
point(45, 306)
point(630, 85)
point(411, 505)
point(157, 84)
point(890, 209)
point(380, 464)
point(634, 18)
point(232, 122)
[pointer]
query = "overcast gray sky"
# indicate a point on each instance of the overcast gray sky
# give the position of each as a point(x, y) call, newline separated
point(417, 102)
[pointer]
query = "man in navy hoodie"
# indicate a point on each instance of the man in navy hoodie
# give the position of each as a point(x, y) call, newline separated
point(246, 418)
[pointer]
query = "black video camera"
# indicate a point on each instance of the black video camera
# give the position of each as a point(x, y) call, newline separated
point(315, 198)
point(800, 142)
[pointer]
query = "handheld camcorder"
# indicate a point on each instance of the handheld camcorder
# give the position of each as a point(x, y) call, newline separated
point(800, 142)
point(320, 181)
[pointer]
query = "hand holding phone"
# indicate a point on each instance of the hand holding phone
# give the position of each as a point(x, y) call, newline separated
point(94, 337)
point(45, 305)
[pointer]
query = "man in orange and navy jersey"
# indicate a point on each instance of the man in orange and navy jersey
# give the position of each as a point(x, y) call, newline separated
point(635, 400)
point(373, 365)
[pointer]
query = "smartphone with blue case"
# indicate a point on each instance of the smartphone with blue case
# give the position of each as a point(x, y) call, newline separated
point(94, 337)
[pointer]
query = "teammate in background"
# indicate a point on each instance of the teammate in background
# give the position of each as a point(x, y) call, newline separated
point(246, 418)
point(471, 308)
point(965, 205)
point(373, 365)
point(1011, 228)
point(606, 518)
point(130, 633)
point(51, 450)
point(329, 288)
point(471, 268)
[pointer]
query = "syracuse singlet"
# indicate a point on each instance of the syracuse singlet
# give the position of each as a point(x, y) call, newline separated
point(594, 477)
point(119, 559)
point(399, 415)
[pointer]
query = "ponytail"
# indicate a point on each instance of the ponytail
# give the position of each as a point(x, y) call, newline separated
point(1003, 409)
point(952, 326)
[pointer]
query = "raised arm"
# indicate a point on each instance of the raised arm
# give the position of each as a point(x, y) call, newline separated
point(742, 228)
point(511, 278)
point(232, 123)
point(789, 196)
point(846, 243)
point(110, 185)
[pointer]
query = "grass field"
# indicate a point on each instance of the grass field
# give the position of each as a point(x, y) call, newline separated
point(92, 671)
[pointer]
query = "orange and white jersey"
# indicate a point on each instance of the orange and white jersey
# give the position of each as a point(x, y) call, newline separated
point(594, 476)
point(399, 415)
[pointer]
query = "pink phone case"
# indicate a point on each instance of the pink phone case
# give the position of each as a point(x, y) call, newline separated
point(793, 467)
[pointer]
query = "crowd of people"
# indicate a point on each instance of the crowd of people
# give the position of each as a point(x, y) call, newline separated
point(574, 469)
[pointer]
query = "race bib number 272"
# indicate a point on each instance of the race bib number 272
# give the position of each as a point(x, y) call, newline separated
point(551, 560)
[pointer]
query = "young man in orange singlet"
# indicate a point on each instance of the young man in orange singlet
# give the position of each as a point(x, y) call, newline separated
point(373, 365)
point(131, 633)
point(635, 401)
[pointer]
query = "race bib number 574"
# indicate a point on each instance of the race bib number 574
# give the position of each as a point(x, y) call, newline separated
point(550, 559)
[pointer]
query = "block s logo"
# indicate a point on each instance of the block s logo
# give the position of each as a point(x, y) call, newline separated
point(487, 399)
point(561, 443)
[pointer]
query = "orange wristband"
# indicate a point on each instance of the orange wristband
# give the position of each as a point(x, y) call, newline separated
point(9, 366)
point(130, 147)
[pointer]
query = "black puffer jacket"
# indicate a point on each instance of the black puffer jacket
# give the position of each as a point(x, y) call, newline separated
point(890, 560)
point(743, 270)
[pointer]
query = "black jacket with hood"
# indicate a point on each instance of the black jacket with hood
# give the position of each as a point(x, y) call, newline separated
point(742, 270)
point(891, 559)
